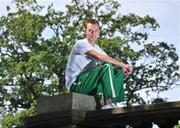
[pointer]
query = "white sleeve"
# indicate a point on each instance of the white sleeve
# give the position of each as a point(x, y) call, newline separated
point(82, 47)
point(100, 50)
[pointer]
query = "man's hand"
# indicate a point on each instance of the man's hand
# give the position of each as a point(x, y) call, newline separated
point(127, 69)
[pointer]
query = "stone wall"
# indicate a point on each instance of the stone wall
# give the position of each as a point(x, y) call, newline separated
point(75, 110)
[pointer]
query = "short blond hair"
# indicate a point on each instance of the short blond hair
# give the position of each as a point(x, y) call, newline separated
point(92, 21)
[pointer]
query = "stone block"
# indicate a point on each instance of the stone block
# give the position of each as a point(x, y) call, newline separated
point(65, 102)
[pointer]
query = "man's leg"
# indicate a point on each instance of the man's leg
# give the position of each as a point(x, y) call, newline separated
point(119, 82)
point(112, 83)
point(103, 78)
point(87, 82)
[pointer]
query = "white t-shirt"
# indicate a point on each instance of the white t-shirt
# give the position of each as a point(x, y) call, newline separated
point(78, 60)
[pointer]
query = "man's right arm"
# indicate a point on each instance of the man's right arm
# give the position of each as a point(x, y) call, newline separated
point(105, 58)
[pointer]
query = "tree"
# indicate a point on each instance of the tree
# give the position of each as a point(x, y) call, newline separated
point(32, 64)
point(178, 126)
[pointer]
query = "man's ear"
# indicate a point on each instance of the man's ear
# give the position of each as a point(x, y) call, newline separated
point(99, 35)
point(84, 30)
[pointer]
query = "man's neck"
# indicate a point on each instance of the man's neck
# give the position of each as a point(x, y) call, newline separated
point(92, 42)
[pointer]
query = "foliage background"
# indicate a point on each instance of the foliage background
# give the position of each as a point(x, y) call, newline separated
point(32, 65)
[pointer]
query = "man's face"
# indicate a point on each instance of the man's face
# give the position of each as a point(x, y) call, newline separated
point(92, 32)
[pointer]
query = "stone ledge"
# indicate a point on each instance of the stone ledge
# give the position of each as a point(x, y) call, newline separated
point(65, 102)
point(165, 115)
point(78, 111)
point(65, 119)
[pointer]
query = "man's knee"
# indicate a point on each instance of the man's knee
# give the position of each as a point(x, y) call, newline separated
point(108, 65)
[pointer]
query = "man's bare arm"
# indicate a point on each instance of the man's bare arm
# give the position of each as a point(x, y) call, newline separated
point(105, 58)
